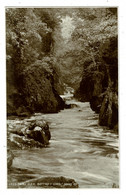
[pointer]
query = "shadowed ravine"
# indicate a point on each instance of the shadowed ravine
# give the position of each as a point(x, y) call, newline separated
point(79, 149)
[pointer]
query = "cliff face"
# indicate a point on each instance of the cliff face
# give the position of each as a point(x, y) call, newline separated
point(99, 85)
point(33, 83)
point(34, 91)
point(109, 110)
point(109, 107)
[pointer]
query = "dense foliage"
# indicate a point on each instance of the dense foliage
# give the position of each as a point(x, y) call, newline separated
point(96, 35)
point(50, 48)
point(29, 35)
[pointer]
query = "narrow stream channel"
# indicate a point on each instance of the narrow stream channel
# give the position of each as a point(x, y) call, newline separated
point(79, 149)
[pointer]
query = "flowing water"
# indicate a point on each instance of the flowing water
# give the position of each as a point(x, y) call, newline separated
point(79, 149)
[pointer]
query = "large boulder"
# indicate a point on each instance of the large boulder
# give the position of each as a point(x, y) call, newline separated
point(39, 131)
point(34, 90)
point(36, 134)
point(38, 89)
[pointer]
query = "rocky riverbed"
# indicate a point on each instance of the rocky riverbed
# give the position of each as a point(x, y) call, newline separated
point(80, 152)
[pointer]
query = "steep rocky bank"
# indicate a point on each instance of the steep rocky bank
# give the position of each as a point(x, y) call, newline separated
point(34, 91)
point(33, 83)
point(99, 85)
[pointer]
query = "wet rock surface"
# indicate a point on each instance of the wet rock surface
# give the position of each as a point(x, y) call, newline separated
point(109, 111)
point(99, 86)
point(34, 134)
point(67, 106)
point(36, 92)
point(79, 148)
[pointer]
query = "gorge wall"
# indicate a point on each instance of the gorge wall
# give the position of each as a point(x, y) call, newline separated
point(34, 91)
point(33, 83)
point(99, 85)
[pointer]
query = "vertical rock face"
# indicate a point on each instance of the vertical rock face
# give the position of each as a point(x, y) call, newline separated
point(109, 110)
point(36, 93)
point(91, 88)
point(99, 86)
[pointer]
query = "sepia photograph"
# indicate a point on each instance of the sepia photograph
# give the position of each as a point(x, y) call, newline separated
point(62, 97)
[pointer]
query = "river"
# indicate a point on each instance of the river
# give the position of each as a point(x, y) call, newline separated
point(79, 149)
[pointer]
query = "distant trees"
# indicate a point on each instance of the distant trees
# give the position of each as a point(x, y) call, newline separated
point(94, 27)
point(25, 36)
point(34, 33)
point(30, 36)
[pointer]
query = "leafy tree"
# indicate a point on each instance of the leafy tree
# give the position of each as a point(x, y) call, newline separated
point(95, 26)
point(25, 32)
